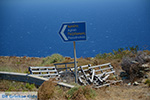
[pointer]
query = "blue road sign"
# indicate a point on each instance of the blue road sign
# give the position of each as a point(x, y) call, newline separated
point(73, 31)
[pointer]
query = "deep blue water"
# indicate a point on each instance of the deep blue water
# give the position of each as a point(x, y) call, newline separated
point(30, 27)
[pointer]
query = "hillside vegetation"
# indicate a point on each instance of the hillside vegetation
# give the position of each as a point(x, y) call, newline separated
point(121, 59)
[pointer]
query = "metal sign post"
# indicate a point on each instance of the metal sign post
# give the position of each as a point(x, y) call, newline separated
point(73, 32)
point(75, 62)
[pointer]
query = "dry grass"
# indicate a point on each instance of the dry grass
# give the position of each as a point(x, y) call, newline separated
point(21, 64)
point(81, 93)
point(49, 91)
point(18, 64)
point(113, 92)
point(46, 90)
point(121, 92)
point(6, 85)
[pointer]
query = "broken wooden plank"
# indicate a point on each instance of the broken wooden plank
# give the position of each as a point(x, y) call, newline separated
point(108, 84)
point(65, 84)
point(100, 65)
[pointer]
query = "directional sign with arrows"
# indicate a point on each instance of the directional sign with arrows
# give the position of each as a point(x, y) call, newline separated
point(73, 31)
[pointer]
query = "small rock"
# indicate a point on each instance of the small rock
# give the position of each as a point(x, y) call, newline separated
point(129, 84)
point(135, 83)
point(144, 80)
point(107, 91)
point(146, 76)
point(145, 65)
point(65, 81)
point(134, 62)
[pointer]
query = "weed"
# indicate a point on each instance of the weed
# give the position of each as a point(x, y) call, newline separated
point(30, 86)
point(18, 63)
point(71, 92)
point(52, 59)
point(6, 85)
point(27, 71)
point(118, 54)
point(114, 55)
point(7, 69)
point(11, 88)
point(147, 82)
point(81, 93)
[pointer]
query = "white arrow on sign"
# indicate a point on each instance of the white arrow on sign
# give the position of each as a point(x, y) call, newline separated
point(62, 32)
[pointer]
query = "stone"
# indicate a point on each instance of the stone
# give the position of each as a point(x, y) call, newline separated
point(135, 83)
point(144, 80)
point(65, 81)
point(129, 84)
point(146, 76)
point(145, 65)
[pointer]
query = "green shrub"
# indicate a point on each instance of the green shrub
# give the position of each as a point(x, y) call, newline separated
point(117, 54)
point(147, 82)
point(30, 86)
point(56, 58)
point(27, 71)
point(105, 56)
point(8, 69)
point(81, 92)
point(11, 88)
point(52, 59)
point(71, 92)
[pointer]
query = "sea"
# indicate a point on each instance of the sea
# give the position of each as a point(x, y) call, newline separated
point(31, 27)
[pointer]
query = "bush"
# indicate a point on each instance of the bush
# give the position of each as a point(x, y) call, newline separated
point(115, 55)
point(52, 59)
point(81, 93)
point(47, 90)
point(147, 82)
point(11, 88)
